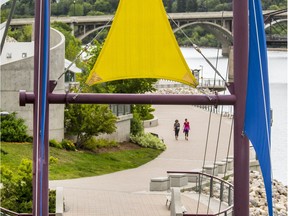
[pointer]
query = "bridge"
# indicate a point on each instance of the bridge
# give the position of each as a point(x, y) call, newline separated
point(219, 23)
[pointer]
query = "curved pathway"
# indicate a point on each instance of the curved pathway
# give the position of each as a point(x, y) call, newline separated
point(127, 192)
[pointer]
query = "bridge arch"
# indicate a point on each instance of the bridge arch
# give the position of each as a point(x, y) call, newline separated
point(275, 22)
point(223, 35)
point(92, 31)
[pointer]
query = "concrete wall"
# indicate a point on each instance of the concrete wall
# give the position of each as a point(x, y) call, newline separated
point(123, 129)
point(150, 123)
point(17, 72)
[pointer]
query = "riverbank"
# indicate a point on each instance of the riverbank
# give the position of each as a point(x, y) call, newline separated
point(258, 203)
point(257, 195)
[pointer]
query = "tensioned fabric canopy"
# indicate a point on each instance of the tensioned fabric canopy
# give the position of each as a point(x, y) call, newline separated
point(141, 44)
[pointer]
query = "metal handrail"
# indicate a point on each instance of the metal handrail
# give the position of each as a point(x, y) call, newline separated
point(210, 82)
point(6, 212)
point(222, 182)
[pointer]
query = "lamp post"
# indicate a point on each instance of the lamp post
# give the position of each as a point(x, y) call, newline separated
point(74, 2)
point(57, 2)
point(201, 76)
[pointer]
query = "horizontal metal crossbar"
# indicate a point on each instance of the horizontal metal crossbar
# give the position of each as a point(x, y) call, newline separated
point(85, 98)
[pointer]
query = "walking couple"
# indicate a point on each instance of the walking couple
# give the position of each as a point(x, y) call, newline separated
point(186, 129)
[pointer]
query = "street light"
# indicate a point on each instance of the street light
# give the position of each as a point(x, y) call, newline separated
point(74, 2)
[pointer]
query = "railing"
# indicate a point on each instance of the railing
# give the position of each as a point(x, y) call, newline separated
point(227, 111)
point(6, 212)
point(218, 188)
point(210, 83)
point(120, 109)
point(203, 83)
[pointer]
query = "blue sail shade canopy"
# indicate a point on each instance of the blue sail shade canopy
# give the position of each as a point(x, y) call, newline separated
point(257, 124)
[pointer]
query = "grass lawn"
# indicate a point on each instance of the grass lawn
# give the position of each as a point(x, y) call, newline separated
point(80, 163)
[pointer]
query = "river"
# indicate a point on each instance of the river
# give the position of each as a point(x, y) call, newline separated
point(277, 66)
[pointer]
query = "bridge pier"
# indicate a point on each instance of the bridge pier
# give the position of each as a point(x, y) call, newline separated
point(225, 49)
point(72, 26)
point(227, 25)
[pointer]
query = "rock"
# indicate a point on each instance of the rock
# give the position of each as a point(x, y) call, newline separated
point(257, 196)
point(279, 206)
point(254, 202)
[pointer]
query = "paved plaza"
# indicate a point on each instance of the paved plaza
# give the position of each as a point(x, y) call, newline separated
point(127, 192)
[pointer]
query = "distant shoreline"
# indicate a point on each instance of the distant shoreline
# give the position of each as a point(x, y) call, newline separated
point(277, 49)
point(284, 49)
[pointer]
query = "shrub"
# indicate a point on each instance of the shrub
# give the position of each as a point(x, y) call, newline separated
point(68, 145)
point(16, 192)
point(52, 201)
point(136, 127)
point(29, 139)
point(54, 143)
point(53, 160)
point(93, 144)
point(148, 140)
point(13, 129)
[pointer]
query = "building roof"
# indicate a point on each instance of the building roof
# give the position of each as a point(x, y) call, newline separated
point(73, 68)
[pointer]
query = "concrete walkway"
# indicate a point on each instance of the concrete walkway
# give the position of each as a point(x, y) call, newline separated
point(127, 192)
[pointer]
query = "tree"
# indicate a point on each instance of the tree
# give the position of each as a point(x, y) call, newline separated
point(76, 9)
point(181, 5)
point(114, 5)
point(103, 6)
point(22, 34)
point(72, 44)
point(136, 127)
point(88, 120)
point(174, 7)
point(144, 111)
point(168, 5)
point(24, 8)
point(87, 8)
point(191, 6)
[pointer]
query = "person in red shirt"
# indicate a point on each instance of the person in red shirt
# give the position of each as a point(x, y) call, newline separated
point(186, 129)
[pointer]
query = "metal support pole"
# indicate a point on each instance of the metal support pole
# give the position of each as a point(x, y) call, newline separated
point(229, 197)
point(241, 144)
point(7, 25)
point(221, 191)
point(41, 108)
point(211, 187)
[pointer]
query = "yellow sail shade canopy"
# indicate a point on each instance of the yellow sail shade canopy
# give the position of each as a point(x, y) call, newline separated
point(141, 44)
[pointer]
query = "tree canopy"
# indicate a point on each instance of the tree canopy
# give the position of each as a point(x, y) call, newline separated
point(25, 8)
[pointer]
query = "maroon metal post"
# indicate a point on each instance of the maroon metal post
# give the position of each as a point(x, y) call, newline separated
point(241, 144)
point(40, 117)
